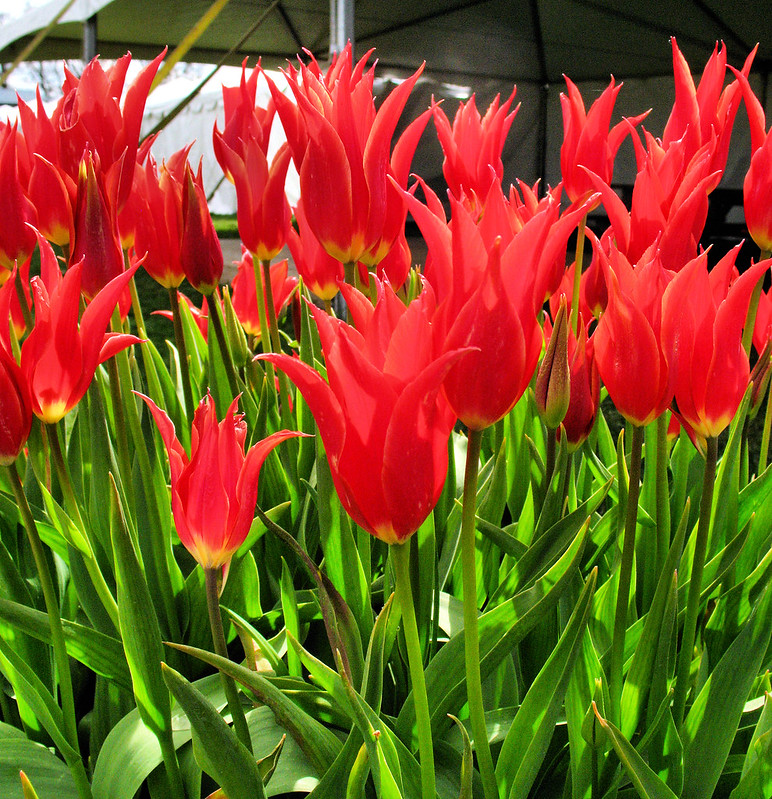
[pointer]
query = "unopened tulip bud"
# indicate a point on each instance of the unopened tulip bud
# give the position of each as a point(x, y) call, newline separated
point(200, 250)
point(553, 381)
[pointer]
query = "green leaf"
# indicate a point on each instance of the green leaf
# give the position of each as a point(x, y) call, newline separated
point(500, 629)
point(318, 743)
point(44, 770)
point(467, 762)
point(219, 753)
point(715, 715)
point(290, 609)
point(646, 782)
point(140, 632)
point(529, 736)
point(100, 653)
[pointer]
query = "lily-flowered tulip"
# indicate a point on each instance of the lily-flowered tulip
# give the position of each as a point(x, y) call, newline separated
point(472, 146)
point(158, 218)
point(587, 141)
point(757, 186)
point(245, 296)
point(553, 380)
point(200, 250)
point(17, 239)
point(702, 321)
point(15, 408)
point(585, 387)
point(60, 355)
point(341, 147)
point(381, 416)
point(214, 491)
point(633, 356)
point(92, 116)
point(241, 150)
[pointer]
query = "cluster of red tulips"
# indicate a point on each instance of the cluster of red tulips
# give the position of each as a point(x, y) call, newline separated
point(420, 353)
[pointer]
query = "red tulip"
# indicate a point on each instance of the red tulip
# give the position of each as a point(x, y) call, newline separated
point(158, 222)
point(244, 293)
point(633, 357)
point(382, 418)
point(91, 116)
point(757, 186)
point(702, 322)
point(200, 250)
point(214, 491)
point(17, 239)
point(341, 147)
point(587, 141)
point(15, 408)
point(585, 388)
point(59, 356)
point(321, 272)
point(96, 242)
point(472, 147)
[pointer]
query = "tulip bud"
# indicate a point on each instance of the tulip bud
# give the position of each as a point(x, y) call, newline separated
point(15, 409)
point(553, 381)
point(96, 230)
point(200, 250)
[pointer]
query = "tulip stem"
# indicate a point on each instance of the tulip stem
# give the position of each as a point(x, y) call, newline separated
point(73, 508)
point(275, 343)
point(625, 573)
point(212, 579)
point(215, 315)
point(57, 631)
point(686, 652)
point(262, 315)
point(471, 634)
point(182, 350)
point(401, 557)
point(578, 263)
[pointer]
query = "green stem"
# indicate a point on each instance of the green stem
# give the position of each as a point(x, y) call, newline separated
point(212, 579)
point(578, 263)
point(215, 316)
point(686, 652)
point(139, 319)
point(663, 495)
point(401, 557)
point(549, 464)
point(182, 350)
point(262, 315)
point(25, 309)
point(471, 635)
point(55, 624)
point(625, 573)
point(73, 508)
point(121, 436)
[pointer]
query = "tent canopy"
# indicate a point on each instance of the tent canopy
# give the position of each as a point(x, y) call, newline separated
point(508, 40)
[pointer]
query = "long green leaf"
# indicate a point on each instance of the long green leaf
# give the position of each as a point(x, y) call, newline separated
point(531, 731)
point(220, 753)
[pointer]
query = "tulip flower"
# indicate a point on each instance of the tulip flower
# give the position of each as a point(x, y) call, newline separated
point(472, 146)
point(200, 250)
point(702, 321)
point(341, 147)
point(17, 239)
point(60, 355)
point(381, 416)
point(633, 357)
point(214, 490)
point(587, 141)
point(96, 244)
point(553, 380)
point(585, 388)
point(91, 116)
point(244, 292)
point(704, 115)
point(15, 409)
point(158, 223)
point(757, 186)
